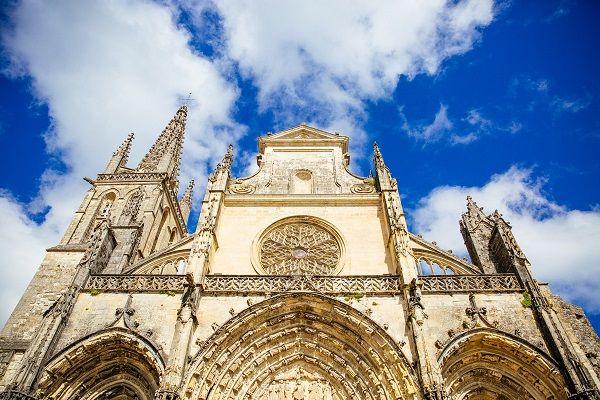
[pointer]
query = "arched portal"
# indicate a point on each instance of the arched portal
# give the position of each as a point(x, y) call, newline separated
point(484, 364)
point(300, 346)
point(115, 364)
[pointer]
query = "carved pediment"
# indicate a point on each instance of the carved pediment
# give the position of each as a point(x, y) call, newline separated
point(302, 135)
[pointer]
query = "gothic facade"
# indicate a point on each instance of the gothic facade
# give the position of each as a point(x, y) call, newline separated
point(301, 281)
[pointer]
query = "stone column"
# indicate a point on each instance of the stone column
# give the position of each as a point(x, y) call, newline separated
point(186, 320)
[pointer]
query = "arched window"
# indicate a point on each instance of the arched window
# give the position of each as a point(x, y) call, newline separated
point(106, 205)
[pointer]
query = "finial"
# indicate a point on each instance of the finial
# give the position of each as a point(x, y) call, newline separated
point(125, 146)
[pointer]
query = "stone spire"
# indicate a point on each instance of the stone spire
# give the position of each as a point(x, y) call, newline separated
point(382, 172)
point(476, 229)
point(185, 204)
point(218, 179)
point(120, 156)
point(505, 231)
point(165, 154)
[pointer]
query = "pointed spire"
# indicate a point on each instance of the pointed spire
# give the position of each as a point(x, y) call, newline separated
point(505, 231)
point(120, 156)
point(185, 204)
point(125, 147)
point(474, 214)
point(187, 196)
point(165, 153)
point(222, 171)
point(377, 156)
point(382, 172)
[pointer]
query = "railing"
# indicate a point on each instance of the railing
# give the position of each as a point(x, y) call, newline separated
point(136, 283)
point(470, 283)
point(380, 285)
point(231, 284)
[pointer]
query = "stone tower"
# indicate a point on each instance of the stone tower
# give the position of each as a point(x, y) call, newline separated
point(301, 281)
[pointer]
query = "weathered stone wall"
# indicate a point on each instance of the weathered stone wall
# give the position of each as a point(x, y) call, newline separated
point(447, 316)
point(574, 319)
point(360, 226)
point(154, 316)
point(52, 278)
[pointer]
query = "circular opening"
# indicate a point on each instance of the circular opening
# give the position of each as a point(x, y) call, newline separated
point(299, 252)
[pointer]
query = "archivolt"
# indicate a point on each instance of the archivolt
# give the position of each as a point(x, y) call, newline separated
point(112, 364)
point(308, 332)
point(484, 363)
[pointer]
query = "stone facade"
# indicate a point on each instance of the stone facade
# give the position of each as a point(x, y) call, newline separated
point(300, 282)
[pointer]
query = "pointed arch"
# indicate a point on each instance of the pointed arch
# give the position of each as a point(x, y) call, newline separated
point(485, 363)
point(161, 232)
point(107, 364)
point(103, 209)
point(300, 342)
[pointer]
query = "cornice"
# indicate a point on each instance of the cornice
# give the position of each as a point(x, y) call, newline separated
point(301, 199)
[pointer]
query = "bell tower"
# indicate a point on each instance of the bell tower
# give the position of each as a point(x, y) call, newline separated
point(126, 215)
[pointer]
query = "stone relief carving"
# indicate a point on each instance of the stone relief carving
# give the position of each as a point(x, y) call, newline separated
point(299, 384)
point(239, 187)
point(132, 206)
point(136, 283)
point(362, 188)
point(301, 249)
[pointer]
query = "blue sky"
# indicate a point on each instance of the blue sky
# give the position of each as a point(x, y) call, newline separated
point(494, 100)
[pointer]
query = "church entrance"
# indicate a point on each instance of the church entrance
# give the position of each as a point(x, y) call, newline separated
point(300, 346)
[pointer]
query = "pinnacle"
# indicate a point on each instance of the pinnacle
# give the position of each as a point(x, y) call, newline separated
point(125, 146)
point(120, 156)
point(187, 196)
point(169, 142)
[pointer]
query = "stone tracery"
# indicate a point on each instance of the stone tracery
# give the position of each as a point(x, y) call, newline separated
point(299, 249)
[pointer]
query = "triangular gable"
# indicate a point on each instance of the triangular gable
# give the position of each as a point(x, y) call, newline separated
point(300, 135)
point(303, 131)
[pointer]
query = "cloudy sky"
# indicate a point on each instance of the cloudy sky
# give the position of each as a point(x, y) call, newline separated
point(470, 97)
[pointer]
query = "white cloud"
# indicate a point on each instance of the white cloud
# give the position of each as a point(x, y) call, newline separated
point(104, 69)
point(326, 58)
point(111, 67)
point(435, 131)
point(561, 244)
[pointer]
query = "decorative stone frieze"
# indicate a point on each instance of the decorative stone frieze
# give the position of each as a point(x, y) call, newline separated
point(133, 177)
point(375, 285)
point(136, 283)
point(252, 284)
point(470, 283)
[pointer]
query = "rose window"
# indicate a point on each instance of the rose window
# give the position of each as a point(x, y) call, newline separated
point(299, 249)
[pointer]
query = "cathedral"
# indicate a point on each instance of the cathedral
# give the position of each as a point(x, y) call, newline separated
point(301, 281)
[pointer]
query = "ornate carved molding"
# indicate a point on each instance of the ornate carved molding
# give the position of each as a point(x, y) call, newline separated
point(386, 285)
point(132, 177)
point(15, 395)
point(136, 283)
point(229, 284)
point(470, 283)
